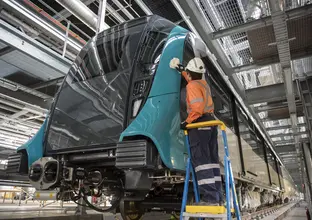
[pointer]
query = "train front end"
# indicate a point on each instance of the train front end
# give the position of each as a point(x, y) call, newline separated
point(102, 131)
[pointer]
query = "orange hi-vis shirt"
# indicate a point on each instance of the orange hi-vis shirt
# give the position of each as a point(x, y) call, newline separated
point(198, 98)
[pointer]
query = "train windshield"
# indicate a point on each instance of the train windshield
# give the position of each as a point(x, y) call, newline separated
point(91, 109)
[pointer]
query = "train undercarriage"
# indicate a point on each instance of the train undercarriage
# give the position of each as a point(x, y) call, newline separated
point(131, 192)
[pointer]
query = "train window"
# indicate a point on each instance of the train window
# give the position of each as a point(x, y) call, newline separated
point(222, 104)
point(150, 54)
point(281, 174)
point(261, 162)
point(246, 129)
point(272, 166)
point(153, 44)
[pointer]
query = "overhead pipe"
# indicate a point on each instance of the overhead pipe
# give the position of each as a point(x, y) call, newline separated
point(54, 21)
point(18, 128)
point(16, 22)
point(144, 7)
point(64, 13)
point(42, 23)
point(10, 134)
point(8, 84)
point(16, 103)
point(32, 32)
point(13, 130)
point(82, 12)
point(65, 18)
point(47, 83)
point(27, 124)
point(7, 147)
point(11, 144)
point(10, 138)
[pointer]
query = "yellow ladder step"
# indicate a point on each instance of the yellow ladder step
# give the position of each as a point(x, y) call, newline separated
point(206, 209)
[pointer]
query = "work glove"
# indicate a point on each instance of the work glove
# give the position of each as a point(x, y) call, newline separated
point(183, 125)
point(175, 64)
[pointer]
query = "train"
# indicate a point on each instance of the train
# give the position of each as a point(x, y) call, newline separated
point(113, 129)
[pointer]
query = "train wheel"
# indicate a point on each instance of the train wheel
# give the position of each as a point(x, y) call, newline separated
point(130, 210)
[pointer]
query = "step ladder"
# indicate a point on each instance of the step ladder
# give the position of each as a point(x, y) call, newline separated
point(214, 212)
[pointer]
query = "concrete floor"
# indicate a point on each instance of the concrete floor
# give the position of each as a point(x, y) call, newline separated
point(30, 211)
point(298, 213)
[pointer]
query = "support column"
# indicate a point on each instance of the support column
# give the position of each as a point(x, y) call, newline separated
point(101, 17)
point(308, 164)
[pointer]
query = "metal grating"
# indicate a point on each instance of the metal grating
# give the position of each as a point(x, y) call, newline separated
point(302, 67)
point(164, 8)
point(30, 65)
point(230, 11)
point(263, 43)
point(291, 4)
point(256, 51)
point(263, 76)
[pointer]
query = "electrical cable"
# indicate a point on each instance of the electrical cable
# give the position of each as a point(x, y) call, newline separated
point(112, 207)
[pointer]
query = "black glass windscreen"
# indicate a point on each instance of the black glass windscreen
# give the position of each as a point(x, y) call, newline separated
point(91, 106)
point(94, 103)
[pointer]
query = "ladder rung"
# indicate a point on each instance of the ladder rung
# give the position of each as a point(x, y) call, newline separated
point(206, 209)
point(305, 91)
point(205, 215)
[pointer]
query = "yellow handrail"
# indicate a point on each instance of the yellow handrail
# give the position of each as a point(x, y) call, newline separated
point(206, 124)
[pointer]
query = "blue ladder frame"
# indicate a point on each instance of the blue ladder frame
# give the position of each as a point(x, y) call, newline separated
point(229, 178)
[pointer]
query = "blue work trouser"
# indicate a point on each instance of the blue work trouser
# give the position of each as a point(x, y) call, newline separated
point(205, 160)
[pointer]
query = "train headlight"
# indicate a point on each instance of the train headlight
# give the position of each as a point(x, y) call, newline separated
point(136, 106)
point(139, 93)
point(140, 87)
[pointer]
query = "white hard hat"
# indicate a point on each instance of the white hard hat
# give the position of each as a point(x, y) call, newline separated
point(196, 65)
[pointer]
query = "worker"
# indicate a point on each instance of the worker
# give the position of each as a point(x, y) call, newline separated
point(203, 141)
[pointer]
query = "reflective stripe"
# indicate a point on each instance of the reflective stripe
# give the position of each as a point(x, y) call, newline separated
point(206, 181)
point(207, 167)
point(217, 178)
point(207, 108)
point(196, 100)
point(209, 181)
point(206, 128)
